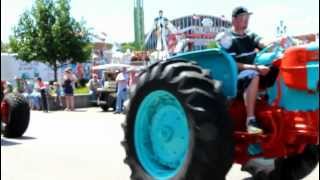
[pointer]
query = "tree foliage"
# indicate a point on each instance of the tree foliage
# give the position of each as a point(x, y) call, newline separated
point(47, 33)
point(4, 47)
point(133, 46)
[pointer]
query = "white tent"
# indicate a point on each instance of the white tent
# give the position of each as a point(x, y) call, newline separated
point(111, 67)
point(118, 67)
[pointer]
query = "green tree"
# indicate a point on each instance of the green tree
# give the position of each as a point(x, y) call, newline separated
point(50, 35)
point(4, 47)
point(133, 46)
point(13, 44)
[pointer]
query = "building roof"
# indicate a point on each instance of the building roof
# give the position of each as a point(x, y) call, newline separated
point(201, 16)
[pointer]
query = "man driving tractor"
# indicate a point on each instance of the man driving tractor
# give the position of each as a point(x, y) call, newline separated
point(243, 45)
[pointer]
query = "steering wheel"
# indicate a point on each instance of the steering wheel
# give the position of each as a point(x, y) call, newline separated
point(264, 57)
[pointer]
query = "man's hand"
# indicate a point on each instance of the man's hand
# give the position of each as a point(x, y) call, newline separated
point(263, 70)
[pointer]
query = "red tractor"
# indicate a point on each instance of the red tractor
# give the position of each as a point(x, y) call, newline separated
point(15, 113)
point(185, 121)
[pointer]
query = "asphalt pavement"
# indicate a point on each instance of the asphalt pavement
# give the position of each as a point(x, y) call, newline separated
point(79, 145)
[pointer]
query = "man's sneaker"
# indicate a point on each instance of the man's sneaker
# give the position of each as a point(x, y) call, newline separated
point(253, 127)
point(258, 165)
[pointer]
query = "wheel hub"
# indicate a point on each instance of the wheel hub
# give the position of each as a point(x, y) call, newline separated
point(161, 134)
point(166, 134)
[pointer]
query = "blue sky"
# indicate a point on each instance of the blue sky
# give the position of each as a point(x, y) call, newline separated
point(115, 17)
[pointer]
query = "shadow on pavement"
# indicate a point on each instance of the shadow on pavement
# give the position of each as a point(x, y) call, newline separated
point(5, 142)
point(25, 138)
point(101, 111)
point(78, 110)
point(8, 142)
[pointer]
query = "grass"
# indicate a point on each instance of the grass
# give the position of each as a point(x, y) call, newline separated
point(81, 90)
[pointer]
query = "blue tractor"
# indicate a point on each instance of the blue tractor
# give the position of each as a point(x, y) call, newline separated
point(182, 122)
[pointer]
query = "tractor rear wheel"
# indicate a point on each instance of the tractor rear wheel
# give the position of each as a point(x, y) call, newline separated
point(292, 168)
point(18, 115)
point(177, 126)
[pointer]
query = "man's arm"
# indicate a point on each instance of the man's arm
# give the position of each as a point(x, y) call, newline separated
point(265, 42)
point(242, 66)
point(260, 42)
point(263, 70)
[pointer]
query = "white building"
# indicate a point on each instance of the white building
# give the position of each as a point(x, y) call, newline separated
point(12, 68)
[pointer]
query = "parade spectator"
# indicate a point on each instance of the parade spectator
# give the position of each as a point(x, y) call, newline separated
point(42, 88)
point(133, 76)
point(51, 90)
point(20, 85)
point(93, 84)
point(58, 93)
point(122, 90)
point(68, 84)
point(27, 92)
point(80, 70)
point(35, 96)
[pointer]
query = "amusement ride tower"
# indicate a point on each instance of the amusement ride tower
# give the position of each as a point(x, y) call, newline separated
point(138, 22)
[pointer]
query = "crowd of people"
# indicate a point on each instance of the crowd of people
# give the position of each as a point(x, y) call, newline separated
point(37, 92)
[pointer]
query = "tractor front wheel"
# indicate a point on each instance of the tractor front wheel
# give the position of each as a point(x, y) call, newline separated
point(177, 127)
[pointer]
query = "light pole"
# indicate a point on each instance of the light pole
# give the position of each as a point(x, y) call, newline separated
point(281, 29)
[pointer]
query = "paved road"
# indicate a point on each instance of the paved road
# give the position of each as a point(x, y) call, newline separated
point(80, 145)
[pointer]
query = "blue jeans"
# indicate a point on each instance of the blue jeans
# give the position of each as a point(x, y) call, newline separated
point(121, 97)
point(35, 101)
point(93, 95)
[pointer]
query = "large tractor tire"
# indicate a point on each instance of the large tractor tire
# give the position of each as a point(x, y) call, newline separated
point(18, 115)
point(291, 168)
point(177, 126)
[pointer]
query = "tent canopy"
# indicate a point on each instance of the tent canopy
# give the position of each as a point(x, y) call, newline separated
point(115, 67)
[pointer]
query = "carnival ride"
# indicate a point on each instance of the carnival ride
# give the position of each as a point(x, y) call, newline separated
point(171, 40)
